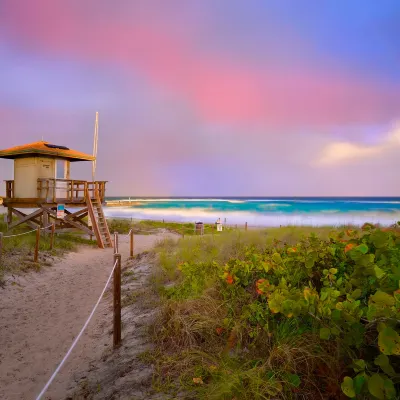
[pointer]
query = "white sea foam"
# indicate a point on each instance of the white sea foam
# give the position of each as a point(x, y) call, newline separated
point(273, 205)
point(255, 219)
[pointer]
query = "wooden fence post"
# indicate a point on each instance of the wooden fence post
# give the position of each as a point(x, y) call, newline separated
point(245, 226)
point(117, 300)
point(131, 241)
point(35, 259)
point(1, 246)
point(115, 242)
point(53, 229)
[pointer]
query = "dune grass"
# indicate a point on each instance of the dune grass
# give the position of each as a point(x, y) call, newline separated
point(145, 227)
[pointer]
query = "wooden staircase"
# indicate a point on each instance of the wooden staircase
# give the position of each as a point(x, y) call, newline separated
point(99, 222)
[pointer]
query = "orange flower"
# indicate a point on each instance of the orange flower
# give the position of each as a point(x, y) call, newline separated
point(260, 284)
point(198, 381)
point(219, 330)
point(229, 279)
point(292, 250)
point(349, 247)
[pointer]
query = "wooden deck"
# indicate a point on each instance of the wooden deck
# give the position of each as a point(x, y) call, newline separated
point(87, 196)
point(50, 192)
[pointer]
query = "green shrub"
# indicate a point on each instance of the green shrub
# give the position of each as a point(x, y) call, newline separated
point(259, 318)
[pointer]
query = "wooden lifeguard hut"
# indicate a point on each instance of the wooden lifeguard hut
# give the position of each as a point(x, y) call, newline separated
point(42, 182)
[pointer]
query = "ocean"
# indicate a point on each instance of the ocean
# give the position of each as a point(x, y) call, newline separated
point(257, 211)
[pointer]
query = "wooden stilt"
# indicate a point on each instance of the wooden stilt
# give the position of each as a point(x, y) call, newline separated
point(36, 257)
point(45, 221)
point(1, 247)
point(53, 229)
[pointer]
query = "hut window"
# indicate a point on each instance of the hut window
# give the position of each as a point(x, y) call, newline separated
point(61, 169)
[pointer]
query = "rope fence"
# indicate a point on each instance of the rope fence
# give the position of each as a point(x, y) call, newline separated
point(37, 230)
point(116, 273)
point(26, 233)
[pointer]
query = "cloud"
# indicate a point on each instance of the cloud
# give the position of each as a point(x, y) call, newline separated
point(344, 152)
point(174, 54)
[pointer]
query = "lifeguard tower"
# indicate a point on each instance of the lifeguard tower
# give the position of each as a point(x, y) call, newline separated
point(42, 182)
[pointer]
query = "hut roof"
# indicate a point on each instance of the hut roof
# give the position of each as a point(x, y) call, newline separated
point(45, 149)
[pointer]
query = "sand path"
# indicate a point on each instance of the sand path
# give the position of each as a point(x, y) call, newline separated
point(43, 312)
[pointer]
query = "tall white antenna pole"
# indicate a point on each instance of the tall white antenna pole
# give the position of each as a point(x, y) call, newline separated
point(96, 137)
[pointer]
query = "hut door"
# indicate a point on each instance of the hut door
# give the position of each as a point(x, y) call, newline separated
point(61, 176)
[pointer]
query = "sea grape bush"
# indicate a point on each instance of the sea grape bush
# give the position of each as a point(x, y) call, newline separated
point(348, 288)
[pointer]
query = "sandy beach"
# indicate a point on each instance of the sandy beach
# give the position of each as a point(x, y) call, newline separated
point(41, 314)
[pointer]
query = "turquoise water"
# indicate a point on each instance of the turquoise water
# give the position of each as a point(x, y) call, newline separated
point(271, 211)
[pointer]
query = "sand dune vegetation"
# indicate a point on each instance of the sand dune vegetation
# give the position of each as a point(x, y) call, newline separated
point(280, 314)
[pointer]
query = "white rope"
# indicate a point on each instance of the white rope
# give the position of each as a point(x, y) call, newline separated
point(19, 234)
point(25, 233)
point(77, 338)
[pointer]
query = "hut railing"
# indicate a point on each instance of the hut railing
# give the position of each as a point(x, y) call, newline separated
point(68, 190)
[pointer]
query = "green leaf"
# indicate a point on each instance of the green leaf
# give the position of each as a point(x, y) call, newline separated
point(324, 333)
point(310, 263)
point(339, 281)
point(265, 266)
point(276, 258)
point(348, 387)
point(389, 341)
point(389, 389)
point(383, 298)
point(379, 272)
point(294, 380)
point(381, 326)
point(336, 315)
point(376, 386)
point(363, 248)
point(356, 294)
point(333, 271)
point(335, 331)
point(358, 382)
point(379, 239)
point(324, 295)
point(383, 362)
point(359, 365)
